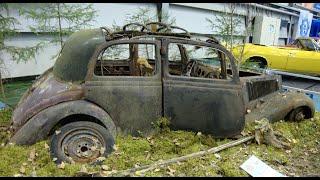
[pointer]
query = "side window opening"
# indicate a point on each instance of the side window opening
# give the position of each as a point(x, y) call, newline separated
point(198, 61)
point(127, 60)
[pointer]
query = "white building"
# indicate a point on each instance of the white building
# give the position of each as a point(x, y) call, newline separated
point(190, 16)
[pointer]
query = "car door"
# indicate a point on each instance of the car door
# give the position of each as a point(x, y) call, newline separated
point(301, 61)
point(213, 106)
point(305, 58)
point(133, 100)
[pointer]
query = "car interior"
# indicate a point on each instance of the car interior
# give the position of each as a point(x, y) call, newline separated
point(184, 60)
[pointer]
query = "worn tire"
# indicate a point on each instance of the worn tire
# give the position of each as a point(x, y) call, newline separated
point(83, 141)
point(297, 114)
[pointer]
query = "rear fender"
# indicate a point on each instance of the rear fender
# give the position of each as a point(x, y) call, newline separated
point(40, 125)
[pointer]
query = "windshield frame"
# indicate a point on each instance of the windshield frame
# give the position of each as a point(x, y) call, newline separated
point(307, 44)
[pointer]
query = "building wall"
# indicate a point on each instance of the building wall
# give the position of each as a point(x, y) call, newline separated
point(191, 16)
point(107, 14)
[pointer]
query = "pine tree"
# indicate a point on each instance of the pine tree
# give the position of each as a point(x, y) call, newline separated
point(7, 31)
point(60, 19)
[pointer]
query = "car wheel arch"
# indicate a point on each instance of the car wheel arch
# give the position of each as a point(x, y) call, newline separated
point(307, 111)
point(260, 58)
point(73, 118)
point(46, 121)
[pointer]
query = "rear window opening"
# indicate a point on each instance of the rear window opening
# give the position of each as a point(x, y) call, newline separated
point(127, 60)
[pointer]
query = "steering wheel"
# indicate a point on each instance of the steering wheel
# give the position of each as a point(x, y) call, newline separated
point(189, 67)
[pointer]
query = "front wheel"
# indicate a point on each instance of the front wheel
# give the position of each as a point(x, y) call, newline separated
point(81, 142)
point(297, 114)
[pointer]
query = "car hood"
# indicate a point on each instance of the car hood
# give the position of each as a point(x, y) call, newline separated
point(44, 92)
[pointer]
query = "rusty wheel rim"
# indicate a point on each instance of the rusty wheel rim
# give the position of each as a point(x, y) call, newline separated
point(299, 116)
point(82, 145)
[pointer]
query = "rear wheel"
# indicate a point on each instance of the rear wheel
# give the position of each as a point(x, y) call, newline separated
point(298, 114)
point(81, 142)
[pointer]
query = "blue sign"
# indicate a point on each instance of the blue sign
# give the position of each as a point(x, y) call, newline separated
point(304, 24)
point(316, 6)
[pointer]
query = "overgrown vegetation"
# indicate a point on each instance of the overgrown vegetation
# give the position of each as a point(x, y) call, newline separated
point(301, 160)
point(14, 91)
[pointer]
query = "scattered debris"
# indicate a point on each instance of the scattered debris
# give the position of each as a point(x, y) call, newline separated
point(265, 134)
point(171, 171)
point(183, 158)
point(105, 167)
point(256, 168)
point(46, 146)
point(22, 170)
point(17, 175)
point(62, 165)
point(103, 149)
point(83, 169)
point(33, 174)
point(217, 156)
point(32, 155)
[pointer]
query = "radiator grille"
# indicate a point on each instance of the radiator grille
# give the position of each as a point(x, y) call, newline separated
point(260, 88)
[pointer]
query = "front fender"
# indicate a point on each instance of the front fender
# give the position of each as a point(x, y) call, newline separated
point(39, 126)
point(277, 105)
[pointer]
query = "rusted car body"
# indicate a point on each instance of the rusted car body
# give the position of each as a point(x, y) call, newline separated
point(127, 102)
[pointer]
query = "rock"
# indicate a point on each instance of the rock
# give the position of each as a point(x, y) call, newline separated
point(105, 167)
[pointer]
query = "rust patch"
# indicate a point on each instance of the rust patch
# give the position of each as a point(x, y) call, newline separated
point(45, 92)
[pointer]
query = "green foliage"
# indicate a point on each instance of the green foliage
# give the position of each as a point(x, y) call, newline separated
point(143, 16)
point(226, 25)
point(162, 124)
point(138, 151)
point(51, 17)
point(249, 65)
point(8, 30)
point(14, 91)
point(5, 116)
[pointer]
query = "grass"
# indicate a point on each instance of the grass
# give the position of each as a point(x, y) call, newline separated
point(14, 91)
point(301, 160)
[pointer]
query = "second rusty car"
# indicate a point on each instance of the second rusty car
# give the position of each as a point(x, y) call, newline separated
point(107, 82)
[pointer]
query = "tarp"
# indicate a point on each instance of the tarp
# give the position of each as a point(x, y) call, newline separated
point(315, 28)
point(2, 105)
point(304, 24)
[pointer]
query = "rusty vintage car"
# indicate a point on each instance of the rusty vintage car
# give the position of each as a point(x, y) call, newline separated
point(106, 82)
